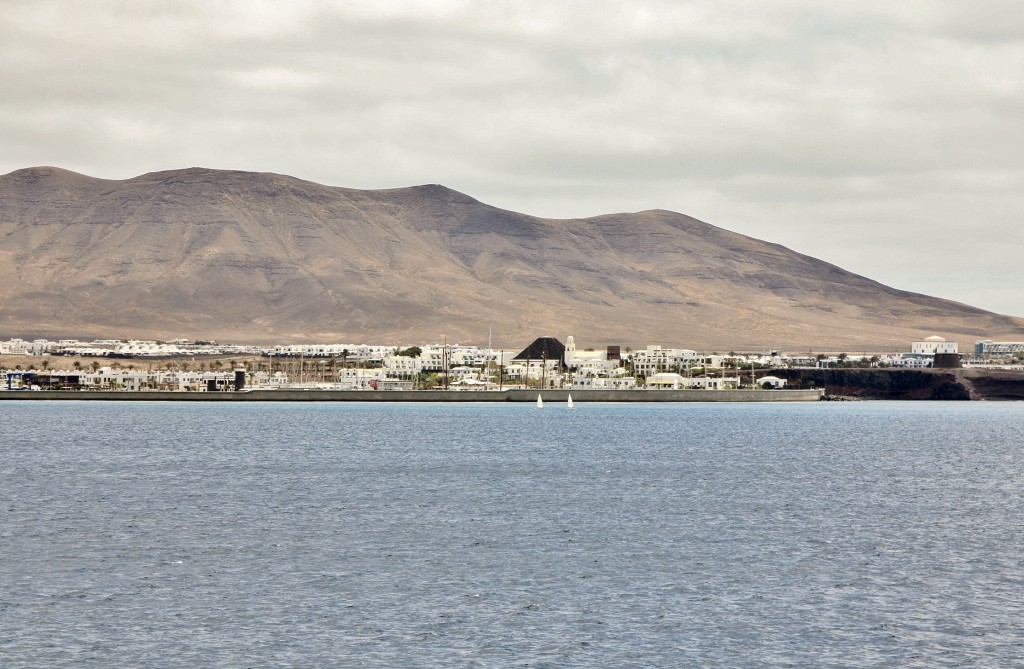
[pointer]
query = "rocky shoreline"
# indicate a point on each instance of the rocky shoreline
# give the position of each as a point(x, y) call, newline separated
point(904, 384)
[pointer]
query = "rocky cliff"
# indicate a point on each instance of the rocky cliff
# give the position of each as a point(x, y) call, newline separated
point(905, 384)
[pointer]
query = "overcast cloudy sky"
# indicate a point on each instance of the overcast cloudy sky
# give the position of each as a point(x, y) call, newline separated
point(885, 137)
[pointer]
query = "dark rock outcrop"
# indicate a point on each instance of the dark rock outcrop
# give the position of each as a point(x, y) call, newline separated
point(905, 384)
point(253, 257)
point(888, 384)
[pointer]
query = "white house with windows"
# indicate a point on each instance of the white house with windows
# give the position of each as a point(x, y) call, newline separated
point(773, 382)
point(354, 378)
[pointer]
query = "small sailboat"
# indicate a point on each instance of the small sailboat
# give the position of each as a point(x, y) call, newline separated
point(540, 402)
point(569, 404)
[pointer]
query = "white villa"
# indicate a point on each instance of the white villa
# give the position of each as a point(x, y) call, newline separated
point(673, 381)
point(933, 345)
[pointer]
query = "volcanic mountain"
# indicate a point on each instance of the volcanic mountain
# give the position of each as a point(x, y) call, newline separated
point(253, 257)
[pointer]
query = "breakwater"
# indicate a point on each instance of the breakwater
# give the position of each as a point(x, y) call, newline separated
point(549, 396)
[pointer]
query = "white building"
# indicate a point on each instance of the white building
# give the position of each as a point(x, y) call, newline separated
point(353, 378)
point(21, 347)
point(655, 359)
point(933, 345)
point(591, 362)
point(772, 382)
point(673, 381)
point(436, 357)
point(911, 362)
point(604, 382)
point(402, 366)
point(998, 349)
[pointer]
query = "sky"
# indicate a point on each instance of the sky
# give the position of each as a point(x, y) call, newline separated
point(884, 137)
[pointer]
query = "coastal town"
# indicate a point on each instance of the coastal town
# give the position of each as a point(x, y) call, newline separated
point(547, 363)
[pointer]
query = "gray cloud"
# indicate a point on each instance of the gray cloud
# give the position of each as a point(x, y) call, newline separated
point(884, 137)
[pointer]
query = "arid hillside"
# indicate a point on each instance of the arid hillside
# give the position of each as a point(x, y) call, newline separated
point(251, 257)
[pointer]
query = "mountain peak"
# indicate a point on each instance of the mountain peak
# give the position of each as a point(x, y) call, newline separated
point(45, 173)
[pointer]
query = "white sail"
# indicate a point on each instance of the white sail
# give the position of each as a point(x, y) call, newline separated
point(570, 404)
point(540, 402)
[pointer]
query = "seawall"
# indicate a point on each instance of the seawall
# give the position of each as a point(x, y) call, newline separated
point(549, 396)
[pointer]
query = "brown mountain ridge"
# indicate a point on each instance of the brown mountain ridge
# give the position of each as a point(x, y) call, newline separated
point(256, 257)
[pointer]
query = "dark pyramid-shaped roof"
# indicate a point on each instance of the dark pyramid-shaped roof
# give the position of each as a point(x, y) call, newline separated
point(544, 348)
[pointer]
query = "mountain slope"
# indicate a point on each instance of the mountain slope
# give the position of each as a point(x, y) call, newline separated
point(262, 257)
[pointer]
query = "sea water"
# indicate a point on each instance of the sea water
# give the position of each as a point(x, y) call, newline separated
point(481, 535)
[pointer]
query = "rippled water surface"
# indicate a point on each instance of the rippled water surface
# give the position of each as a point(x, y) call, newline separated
point(616, 535)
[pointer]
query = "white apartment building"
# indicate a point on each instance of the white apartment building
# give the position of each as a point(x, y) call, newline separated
point(998, 349)
point(402, 366)
point(655, 359)
point(21, 347)
point(434, 356)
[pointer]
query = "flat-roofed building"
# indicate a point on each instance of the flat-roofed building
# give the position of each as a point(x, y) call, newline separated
point(998, 349)
point(933, 345)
